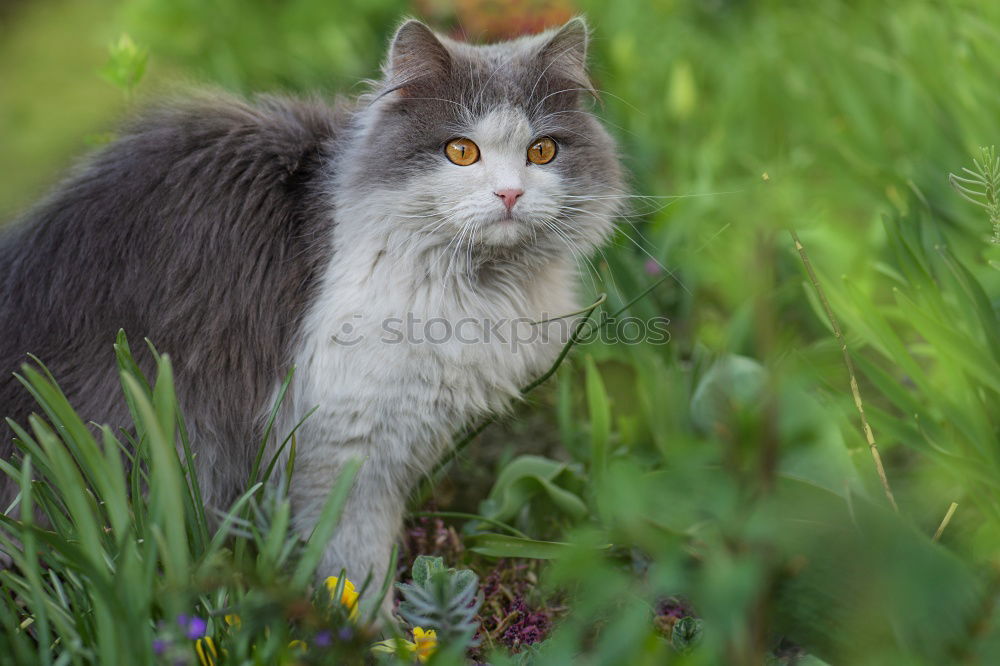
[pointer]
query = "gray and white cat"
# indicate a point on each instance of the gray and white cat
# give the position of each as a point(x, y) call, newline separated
point(244, 238)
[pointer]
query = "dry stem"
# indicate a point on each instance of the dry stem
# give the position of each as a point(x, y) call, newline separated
point(945, 521)
point(855, 391)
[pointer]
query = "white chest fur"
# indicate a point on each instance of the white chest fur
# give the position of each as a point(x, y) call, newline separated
point(394, 396)
point(396, 358)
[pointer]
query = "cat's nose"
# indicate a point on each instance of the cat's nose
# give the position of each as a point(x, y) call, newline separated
point(509, 196)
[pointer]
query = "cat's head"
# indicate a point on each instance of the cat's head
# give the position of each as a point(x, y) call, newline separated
point(487, 149)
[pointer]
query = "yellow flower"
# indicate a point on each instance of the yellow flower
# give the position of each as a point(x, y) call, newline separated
point(426, 643)
point(233, 620)
point(299, 646)
point(205, 649)
point(348, 597)
point(422, 647)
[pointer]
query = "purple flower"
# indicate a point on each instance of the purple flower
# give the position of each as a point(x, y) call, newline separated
point(159, 646)
point(194, 626)
point(323, 639)
point(652, 267)
point(528, 629)
point(345, 634)
point(674, 607)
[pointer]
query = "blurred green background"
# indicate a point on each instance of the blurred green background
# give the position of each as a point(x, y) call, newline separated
point(728, 466)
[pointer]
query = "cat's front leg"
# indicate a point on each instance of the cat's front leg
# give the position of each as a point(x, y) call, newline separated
point(369, 525)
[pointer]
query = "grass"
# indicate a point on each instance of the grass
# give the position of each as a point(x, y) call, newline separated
point(709, 500)
point(855, 391)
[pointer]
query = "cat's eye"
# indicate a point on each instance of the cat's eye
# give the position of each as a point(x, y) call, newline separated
point(542, 151)
point(462, 152)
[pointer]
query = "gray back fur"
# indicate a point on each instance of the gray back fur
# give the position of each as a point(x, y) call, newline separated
point(202, 228)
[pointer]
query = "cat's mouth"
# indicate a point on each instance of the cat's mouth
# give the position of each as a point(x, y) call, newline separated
point(505, 230)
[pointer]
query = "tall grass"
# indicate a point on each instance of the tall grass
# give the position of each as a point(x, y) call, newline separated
point(710, 500)
point(116, 560)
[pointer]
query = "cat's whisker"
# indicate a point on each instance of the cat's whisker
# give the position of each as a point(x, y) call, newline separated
point(660, 202)
point(656, 261)
point(622, 216)
point(553, 61)
point(575, 209)
point(468, 249)
point(650, 196)
point(445, 216)
point(588, 113)
point(599, 197)
point(450, 251)
point(441, 223)
point(444, 253)
point(598, 92)
point(552, 223)
point(574, 249)
point(417, 217)
point(596, 273)
point(454, 252)
point(584, 139)
point(635, 227)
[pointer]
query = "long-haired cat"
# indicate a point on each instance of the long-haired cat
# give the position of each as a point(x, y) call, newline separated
point(245, 238)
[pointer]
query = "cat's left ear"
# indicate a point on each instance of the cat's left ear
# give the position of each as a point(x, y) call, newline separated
point(565, 54)
point(415, 55)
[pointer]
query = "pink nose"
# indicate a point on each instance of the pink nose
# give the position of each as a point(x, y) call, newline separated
point(509, 197)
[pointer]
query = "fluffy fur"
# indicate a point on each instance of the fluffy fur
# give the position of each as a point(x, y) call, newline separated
point(244, 238)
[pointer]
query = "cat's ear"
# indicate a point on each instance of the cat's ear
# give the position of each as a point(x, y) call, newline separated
point(565, 55)
point(415, 55)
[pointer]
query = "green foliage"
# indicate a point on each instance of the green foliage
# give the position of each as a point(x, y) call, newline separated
point(111, 546)
point(528, 478)
point(981, 186)
point(301, 44)
point(126, 65)
point(727, 467)
point(426, 568)
point(443, 599)
point(503, 545)
point(686, 634)
point(600, 420)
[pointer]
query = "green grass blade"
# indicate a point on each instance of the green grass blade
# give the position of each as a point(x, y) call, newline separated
point(326, 523)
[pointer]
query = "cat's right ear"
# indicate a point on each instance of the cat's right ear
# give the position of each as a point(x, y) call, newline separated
point(415, 55)
point(565, 54)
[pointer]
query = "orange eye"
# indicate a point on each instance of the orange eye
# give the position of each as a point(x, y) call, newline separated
point(542, 151)
point(462, 152)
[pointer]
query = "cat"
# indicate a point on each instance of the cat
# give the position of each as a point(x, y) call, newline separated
point(247, 237)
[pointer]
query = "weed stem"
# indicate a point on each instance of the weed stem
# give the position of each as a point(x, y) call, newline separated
point(855, 391)
point(945, 521)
